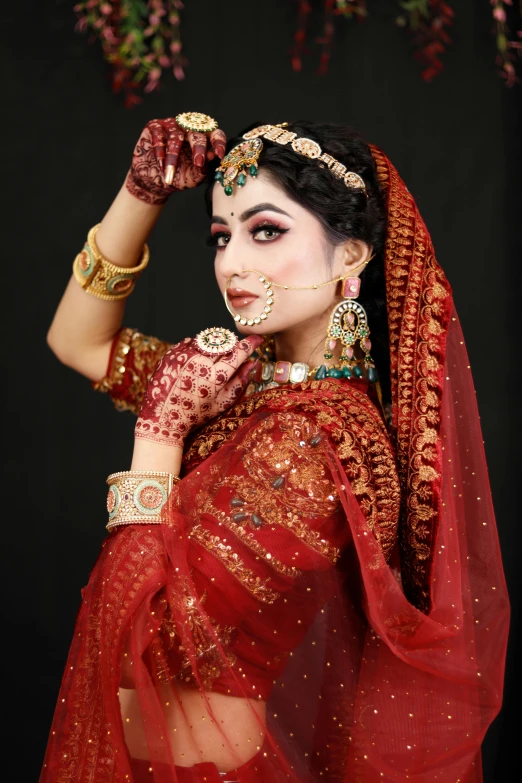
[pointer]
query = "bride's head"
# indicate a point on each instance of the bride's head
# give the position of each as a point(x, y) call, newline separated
point(298, 225)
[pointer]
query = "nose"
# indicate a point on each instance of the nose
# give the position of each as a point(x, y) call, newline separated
point(230, 262)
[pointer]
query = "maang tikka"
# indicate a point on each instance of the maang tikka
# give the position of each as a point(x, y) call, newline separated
point(349, 324)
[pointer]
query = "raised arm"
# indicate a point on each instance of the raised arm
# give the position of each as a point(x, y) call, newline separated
point(166, 159)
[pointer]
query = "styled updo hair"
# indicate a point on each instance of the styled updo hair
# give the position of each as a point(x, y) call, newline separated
point(345, 213)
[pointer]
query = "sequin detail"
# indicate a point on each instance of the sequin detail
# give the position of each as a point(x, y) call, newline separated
point(233, 563)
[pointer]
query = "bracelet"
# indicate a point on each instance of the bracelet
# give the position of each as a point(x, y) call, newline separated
point(138, 497)
point(100, 277)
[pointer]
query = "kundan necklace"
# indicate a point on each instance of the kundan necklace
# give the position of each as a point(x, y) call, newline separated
point(269, 373)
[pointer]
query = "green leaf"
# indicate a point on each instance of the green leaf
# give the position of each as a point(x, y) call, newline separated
point(420, 6)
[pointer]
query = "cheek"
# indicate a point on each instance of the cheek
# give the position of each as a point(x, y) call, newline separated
point(301, 262)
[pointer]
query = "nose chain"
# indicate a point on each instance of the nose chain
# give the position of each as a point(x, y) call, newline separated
point(269, 286)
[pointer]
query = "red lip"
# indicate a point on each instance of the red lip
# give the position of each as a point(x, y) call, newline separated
point(232, 293)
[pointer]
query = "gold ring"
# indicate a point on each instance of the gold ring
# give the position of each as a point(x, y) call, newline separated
point(195, 121)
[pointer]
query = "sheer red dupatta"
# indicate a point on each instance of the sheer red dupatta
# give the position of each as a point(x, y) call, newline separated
point(432, 666)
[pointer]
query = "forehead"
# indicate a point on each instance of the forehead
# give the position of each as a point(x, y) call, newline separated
point(256, 190)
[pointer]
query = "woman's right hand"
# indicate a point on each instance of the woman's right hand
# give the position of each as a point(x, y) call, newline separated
point(188, 388)
point(168, 158)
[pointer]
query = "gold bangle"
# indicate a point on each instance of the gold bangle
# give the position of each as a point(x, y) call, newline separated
point(137, 497)
point(100, 277)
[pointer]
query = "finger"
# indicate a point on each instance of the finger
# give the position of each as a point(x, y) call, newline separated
point(198, 145)
point(248, 345)
point(245, 371)
point(157, 136)
point(230, 392)
point(227, 365)
point(175, 139)
point(218, 141)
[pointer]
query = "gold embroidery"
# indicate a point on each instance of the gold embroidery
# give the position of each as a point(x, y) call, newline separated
point(307, 491)
point(233, 563)
point(134, 360)
point(129, 558)
point(205, 651)
point(205, 506)
point(418, 301)
point(356, 430)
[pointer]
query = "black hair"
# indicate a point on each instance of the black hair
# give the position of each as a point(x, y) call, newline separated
point(345, 213)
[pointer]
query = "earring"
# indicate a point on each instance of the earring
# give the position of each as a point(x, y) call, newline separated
point(349, 324)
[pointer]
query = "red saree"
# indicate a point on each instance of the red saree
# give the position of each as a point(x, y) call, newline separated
point(325, 598)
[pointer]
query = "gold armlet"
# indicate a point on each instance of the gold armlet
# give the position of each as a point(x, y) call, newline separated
point(137, 497)
point(100, 277)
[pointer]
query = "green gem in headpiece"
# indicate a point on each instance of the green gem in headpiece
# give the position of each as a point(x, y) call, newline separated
point(238, 163)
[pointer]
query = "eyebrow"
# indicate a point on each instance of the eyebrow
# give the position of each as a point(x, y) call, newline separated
point(251, 212)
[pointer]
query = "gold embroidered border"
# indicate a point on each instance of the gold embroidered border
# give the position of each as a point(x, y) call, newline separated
point(134, 358)
point(249, 540)
point(233, 563)
point(419, 306)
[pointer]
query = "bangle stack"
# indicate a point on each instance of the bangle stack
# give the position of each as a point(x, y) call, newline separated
point(100, 277)
point(137, 497)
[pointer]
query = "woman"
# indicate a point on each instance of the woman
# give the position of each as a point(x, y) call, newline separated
point(302, 580)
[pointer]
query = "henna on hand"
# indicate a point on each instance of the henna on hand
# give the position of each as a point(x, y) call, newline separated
point(188, 388)
point(167, 159)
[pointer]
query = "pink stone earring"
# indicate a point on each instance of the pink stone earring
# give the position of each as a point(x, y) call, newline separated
point(349, 324)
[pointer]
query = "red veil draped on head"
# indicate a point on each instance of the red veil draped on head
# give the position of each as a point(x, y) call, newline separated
point(325, 599)
point(433, 662)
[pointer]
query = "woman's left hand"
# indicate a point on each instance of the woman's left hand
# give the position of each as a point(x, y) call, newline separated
point(187, 389)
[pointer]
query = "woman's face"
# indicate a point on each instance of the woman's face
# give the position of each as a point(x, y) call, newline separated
point(260, 228)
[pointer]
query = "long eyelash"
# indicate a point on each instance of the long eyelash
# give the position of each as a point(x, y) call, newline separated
point(212, 239)
point(265, 226)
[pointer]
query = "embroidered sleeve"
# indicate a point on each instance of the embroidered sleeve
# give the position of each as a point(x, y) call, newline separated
point(133, 359)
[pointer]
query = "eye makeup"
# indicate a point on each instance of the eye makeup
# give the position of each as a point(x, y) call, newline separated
point(267, 227)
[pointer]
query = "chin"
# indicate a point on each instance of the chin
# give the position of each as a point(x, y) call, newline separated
point(254, 329)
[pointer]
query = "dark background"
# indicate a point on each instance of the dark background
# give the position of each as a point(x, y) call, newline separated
point(67, 145)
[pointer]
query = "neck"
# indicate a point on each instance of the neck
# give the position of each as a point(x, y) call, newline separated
point(305, 343)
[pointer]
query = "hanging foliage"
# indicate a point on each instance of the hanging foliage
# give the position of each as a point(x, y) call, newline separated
point(508, 50)
point(141, 38)
point(427, 21)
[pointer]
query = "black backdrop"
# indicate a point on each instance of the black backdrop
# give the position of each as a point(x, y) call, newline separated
point(67, 144)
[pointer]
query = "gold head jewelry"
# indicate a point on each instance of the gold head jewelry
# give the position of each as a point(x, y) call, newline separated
point(243, 158)
point(195, 121)
point(269, 286)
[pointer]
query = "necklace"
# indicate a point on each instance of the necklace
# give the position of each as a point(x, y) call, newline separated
point(270, 374)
